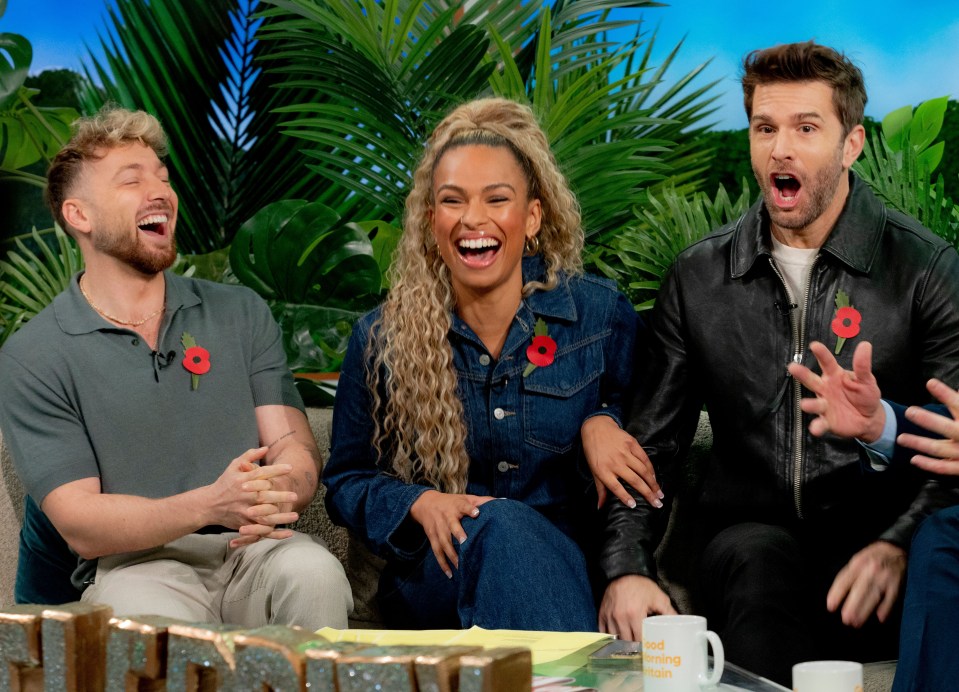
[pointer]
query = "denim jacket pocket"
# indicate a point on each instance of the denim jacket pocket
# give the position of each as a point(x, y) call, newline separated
point(558, 397)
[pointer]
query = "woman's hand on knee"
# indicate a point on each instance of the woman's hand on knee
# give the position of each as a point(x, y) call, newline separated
point(614, 456)
point(439, 514)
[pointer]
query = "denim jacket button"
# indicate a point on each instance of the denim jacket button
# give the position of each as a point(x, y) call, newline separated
point(503, 466)
point(484, 359)
point(499, 414)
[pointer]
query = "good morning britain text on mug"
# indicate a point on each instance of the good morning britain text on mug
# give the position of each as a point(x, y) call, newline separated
point(675, 654)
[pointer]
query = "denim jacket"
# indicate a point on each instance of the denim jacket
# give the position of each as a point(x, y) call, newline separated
point(523, 435)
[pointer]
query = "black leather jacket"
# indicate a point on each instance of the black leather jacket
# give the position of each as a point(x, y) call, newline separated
point(722, 334)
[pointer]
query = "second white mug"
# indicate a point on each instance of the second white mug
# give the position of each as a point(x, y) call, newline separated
point(827, 676)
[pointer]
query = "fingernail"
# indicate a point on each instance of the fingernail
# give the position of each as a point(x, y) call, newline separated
point(632, 504)
point(463, 540)
point(449, 575)
point(660, 494)
point(474, 513)
point(658, 504)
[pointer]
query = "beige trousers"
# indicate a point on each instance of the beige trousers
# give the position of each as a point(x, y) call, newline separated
point(294, 581)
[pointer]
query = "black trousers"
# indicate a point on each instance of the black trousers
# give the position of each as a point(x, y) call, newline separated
point(763, 590)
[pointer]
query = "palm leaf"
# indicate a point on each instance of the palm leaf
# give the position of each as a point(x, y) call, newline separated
point(200, 69)
point(581, 107)
point(31, 279)
point(374, 93)
point(668, 222)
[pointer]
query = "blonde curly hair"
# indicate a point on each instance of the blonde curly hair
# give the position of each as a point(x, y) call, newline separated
point(417, 413)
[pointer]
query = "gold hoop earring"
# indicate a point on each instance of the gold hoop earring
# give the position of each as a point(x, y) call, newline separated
point(532, 246)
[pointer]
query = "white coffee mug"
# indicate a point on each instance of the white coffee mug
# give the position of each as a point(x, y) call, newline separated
point(827, 676)
point(675, 654)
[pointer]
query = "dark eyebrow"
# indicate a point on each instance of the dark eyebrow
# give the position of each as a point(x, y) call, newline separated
point(760, 118)
point(810, 115)
point(489, 187)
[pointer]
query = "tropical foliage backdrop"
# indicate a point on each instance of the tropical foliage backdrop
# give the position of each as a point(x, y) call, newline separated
point(295, 126)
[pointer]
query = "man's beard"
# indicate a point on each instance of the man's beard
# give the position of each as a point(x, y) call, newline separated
point(132, 251)
point(818, 194)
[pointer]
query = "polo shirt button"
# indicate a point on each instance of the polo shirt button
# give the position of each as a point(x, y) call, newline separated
point(484, 359)
point(135, 342)
point(503, 466)
point(499, 414)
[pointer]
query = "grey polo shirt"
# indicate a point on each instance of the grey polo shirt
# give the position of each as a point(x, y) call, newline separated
point(80, 397)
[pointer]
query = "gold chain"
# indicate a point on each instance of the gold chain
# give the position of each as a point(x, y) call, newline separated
point(104, 313)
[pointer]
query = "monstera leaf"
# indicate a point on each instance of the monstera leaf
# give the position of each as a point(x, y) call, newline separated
point(16, 54)
point(27, 133)
point(318, 273)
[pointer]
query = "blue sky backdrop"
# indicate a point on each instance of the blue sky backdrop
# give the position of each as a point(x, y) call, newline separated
point(908, 51)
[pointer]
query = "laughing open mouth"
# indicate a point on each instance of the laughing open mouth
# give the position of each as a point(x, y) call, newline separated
point(154, 223)
point(787, 185)
point(478, 249)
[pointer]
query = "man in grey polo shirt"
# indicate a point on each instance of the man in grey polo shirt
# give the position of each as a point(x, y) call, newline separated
point(153, 417)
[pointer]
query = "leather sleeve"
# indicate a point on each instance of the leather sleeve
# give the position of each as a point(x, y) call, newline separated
point(938, 322)
point(663, 416)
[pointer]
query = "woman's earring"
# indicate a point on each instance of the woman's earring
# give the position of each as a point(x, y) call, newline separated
point(532, 245)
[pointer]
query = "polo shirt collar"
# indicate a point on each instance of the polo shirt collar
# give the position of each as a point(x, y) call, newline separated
point(76, 316)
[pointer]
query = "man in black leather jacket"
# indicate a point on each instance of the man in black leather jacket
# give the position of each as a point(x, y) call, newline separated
point(804, 555)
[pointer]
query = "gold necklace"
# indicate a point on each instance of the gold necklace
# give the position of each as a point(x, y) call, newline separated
point(104, 313)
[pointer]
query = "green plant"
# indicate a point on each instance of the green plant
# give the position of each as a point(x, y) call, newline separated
point(665, 225)
point(611, 136)
point(372, 88)
point(30, 280)
point(898, 162)
point(318, 273)
point(199, 68)
point(917, 130)
point(28, 133)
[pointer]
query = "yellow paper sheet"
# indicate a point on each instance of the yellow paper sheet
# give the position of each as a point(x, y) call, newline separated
point(546, 646)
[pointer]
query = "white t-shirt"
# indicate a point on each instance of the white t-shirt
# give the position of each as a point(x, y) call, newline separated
point(794, 264)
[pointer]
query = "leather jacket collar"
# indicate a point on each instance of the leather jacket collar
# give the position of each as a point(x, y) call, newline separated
point(854, 240)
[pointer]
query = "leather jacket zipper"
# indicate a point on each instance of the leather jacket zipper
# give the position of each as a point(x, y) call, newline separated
point(799, 337)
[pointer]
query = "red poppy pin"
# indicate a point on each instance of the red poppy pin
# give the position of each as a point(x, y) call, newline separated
point(196, 359)
point(542, 350)
point(845, 325)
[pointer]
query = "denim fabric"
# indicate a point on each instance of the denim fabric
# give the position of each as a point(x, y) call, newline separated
point(516, 571)
point(522, 432)
point(929, 638)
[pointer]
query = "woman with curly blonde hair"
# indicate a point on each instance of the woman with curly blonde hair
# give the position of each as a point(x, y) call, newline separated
point(470, 399)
